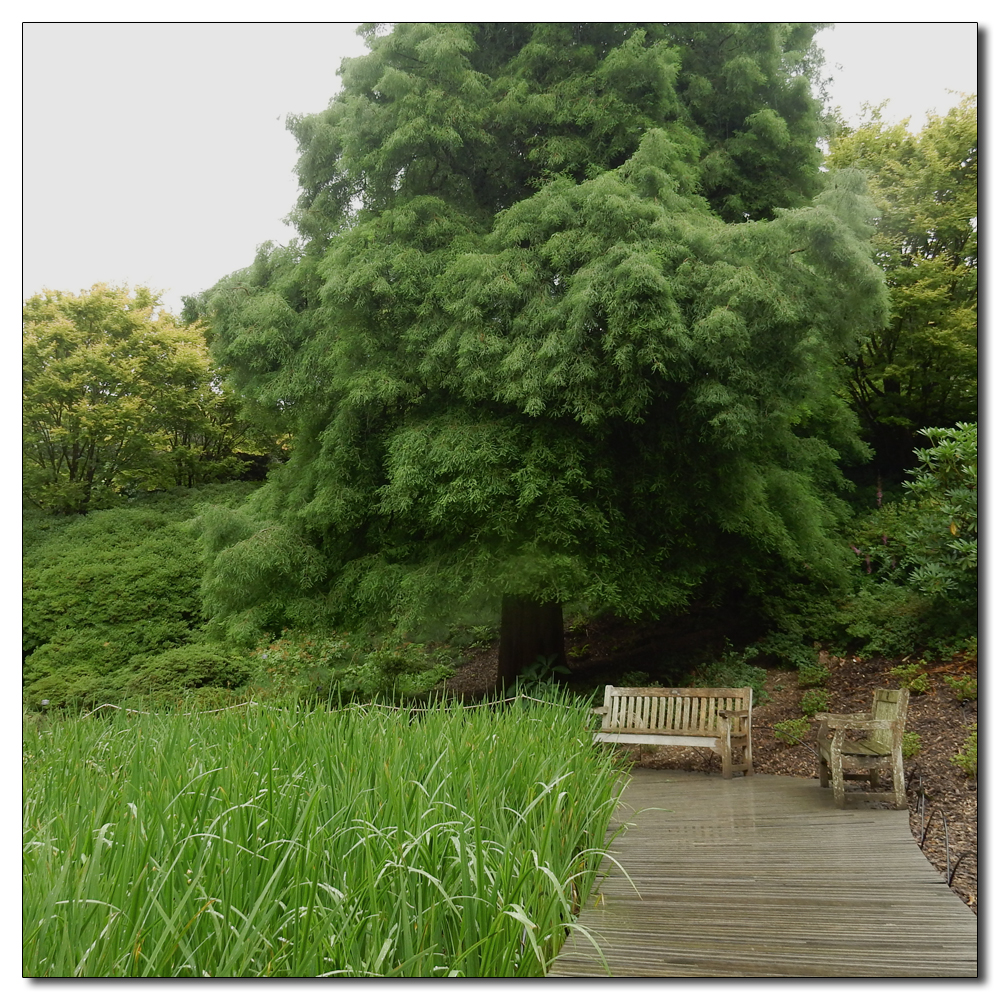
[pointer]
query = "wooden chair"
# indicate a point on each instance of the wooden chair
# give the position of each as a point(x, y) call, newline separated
point(858, 746)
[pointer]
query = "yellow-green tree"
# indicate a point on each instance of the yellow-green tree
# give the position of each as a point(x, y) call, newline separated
point(118, 396)
point(921, 369)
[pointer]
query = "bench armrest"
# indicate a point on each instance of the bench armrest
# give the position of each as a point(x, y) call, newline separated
point(600, 711)
point(735, 713)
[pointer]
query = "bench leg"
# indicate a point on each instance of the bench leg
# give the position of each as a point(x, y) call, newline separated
point(824, 773)
point(726, 751)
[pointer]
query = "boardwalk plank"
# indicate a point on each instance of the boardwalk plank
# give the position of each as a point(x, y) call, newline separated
point(764, 877)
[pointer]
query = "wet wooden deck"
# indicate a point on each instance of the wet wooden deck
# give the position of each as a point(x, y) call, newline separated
point(763, 876)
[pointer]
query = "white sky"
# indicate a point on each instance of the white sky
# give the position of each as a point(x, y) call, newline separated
point(156, 153)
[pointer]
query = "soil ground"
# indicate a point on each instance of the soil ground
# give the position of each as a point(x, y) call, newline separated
point(943, 801)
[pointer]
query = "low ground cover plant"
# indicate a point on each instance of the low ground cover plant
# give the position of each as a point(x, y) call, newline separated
point(968, 758)
point(261, 841)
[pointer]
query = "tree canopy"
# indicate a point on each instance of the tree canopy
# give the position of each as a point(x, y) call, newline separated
point(524, 348)
point(921, 369)
point(118, 396)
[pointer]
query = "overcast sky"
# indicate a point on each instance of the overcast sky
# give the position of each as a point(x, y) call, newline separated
point(157, 154)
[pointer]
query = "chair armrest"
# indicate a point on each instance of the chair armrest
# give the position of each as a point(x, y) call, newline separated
point(833, 719)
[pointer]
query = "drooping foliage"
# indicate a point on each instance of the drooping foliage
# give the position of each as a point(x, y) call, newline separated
point(118, 397)
point(520, 347)
point(921, 369)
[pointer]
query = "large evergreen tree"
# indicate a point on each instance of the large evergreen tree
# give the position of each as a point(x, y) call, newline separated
point(521, 348)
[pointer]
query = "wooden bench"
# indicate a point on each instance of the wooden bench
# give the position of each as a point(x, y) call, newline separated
point(858, 746)
point(718, 718)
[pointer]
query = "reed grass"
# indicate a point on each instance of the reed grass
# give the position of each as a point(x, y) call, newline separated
point(275, 842)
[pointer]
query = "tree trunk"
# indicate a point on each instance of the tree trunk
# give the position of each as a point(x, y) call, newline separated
point(529, 629)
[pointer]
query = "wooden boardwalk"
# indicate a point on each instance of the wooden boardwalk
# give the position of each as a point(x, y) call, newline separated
point(763, 876)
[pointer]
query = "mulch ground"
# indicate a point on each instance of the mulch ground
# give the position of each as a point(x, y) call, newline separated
point(943, 801)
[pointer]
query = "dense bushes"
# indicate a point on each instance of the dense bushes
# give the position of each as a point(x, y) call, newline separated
point(106, 592)
point(113, 612)
point(115, 603)
point(304, 666)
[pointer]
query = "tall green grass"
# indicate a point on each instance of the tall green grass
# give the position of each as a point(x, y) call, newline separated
point(271, 842)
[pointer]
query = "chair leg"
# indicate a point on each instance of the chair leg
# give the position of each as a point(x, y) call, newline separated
point(837, 767)
point(899, 780)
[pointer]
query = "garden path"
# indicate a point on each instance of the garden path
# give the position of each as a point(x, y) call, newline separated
point(761, 877)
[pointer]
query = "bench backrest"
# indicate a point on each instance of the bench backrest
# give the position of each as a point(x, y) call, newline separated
point(692, 711)
point(888, 705)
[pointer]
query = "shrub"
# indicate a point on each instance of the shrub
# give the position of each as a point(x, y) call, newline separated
point(813, 675)
point(911, 745)
point(942, 550)
point(789, 645)
point(791, 731)
point(169, 675)
point(732, 669)
point(968, 758)
point(405, 671)
point(964, 688)
point(815, 701)
point(634, 678)
point(107, 590)
point(885, 619)
point(913, 676)
point(339, 666)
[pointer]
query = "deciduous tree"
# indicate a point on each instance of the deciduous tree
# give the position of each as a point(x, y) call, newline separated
point(117, 396)
point(921, 369)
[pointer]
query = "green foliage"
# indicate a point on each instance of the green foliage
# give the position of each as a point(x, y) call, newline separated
point(913, 675)
point(519, 353)
point(103, 592)
point(942, 549)
point(635, 678)
point(964, 688)
point(968, 758)
point(118, 398)
point(887, 619)
point(788, 642)
point(922, 368)
point(543, 672)
point(324, 667)
point(815, 701)
point(266, 843)
point(406, 671)
point(919, 555)
point(747, 86)
point(733, 669)
point(169, 675)
point(791, 731)
point(813, 674)
point(911, 745)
